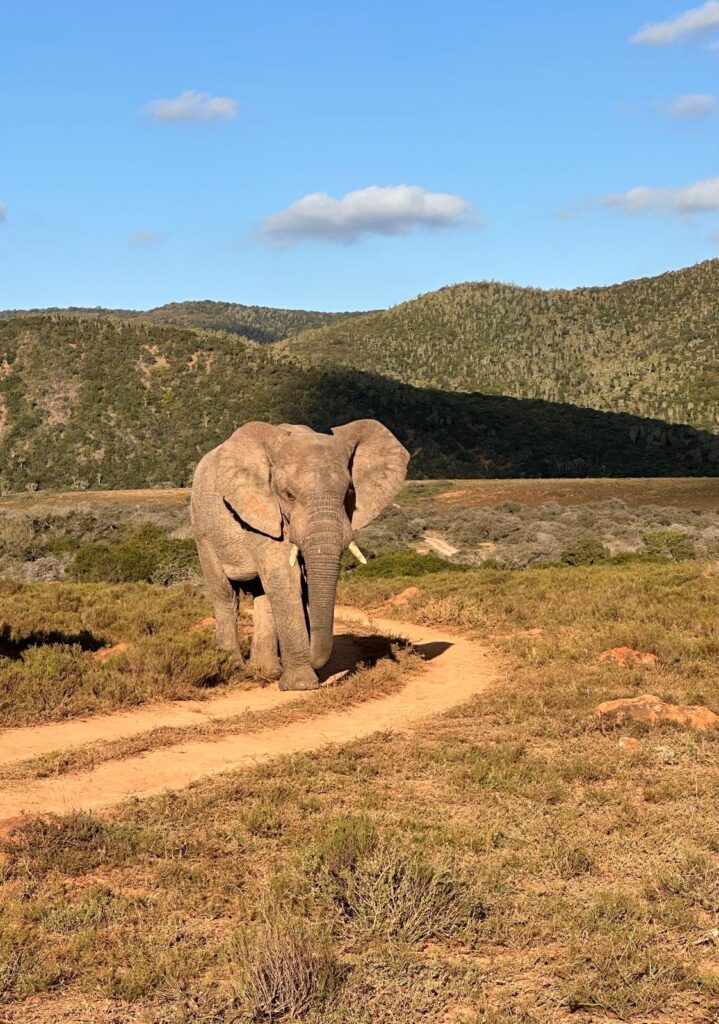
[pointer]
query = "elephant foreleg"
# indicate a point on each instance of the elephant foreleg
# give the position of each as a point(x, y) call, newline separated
point(225, 599)
point(282, 585)
point(263, 653)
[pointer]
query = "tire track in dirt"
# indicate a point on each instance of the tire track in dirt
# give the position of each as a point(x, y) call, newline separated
point(457, 669)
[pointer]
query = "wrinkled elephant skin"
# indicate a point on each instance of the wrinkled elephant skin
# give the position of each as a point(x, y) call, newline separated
point(273, 508)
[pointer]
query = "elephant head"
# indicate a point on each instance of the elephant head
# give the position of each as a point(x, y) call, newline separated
point(312, 490)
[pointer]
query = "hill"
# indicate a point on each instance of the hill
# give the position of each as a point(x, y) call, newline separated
point(258, 323)
point(648, 347)
point(106, 403)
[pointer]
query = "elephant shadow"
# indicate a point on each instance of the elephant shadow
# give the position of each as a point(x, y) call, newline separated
point(352, 651)
point(14, 647)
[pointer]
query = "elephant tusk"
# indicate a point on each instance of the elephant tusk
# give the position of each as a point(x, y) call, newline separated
point(293, 554)
point(357, 553)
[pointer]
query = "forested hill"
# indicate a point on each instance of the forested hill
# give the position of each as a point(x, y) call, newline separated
point(259, 323)
point(648, 347)
point(102, 402)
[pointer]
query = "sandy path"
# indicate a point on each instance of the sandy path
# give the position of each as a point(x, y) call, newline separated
point(457, 669)
point(33, 741)
point(18, 744)
point(439, 545)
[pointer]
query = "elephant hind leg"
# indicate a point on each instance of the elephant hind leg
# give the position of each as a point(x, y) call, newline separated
point(224, 597)
point(263, 653)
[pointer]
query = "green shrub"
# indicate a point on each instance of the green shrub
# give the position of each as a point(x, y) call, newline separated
point(671, 545)
point(408, 563)
point(584, 551)
point(144, 556)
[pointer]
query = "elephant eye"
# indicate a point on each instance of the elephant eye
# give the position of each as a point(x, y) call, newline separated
point(289, 495)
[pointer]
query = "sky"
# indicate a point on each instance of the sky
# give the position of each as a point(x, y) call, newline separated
point(341, 156)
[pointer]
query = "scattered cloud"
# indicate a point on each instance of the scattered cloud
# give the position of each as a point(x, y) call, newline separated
point(694, 22)
point(377, 210)
point(192, 106)
point(144, 237)
point(3, 213)
point(692, 106)
point(573, 210)
point(700, 197)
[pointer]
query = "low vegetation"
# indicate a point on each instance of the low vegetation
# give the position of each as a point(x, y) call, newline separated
point(512, 536)
point(508, 862)
point(123, 538)
point(49, 634)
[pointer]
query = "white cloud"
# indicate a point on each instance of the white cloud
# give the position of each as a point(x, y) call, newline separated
point(700, 197)
point(192, 106)
point(3, 212)
point(377, 210)
point(693, 22)
point(692, 106)
point(144, 237)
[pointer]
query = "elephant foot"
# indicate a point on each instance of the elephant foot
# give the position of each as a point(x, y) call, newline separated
point(302, 678)
point(270, 668)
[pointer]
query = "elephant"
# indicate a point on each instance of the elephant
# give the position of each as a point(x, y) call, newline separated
point(273, 508)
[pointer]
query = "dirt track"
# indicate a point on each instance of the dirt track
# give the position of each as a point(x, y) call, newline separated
point(457, 668)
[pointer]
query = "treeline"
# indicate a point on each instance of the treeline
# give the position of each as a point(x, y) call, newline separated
point(263, 324)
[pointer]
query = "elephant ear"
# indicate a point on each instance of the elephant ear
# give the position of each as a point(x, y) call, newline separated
point(378, 466)
point(243, 477)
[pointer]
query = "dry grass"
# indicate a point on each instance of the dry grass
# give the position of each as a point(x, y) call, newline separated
point(507, 863)
point(48, 633)
point(695, 493)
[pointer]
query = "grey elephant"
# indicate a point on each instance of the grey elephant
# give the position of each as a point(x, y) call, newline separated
point(273, 508)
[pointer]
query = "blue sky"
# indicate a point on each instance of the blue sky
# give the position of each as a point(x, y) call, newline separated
point(521, 128)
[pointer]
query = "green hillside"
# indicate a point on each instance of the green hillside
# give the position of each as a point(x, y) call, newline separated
point(105, 403)
point(648, 347)
point(259, 323)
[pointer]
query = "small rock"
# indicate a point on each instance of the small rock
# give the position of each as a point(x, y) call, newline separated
point(107, 652)
point(404, 597)
point(650, 709)
point(665, 754)
point(624, 656)
point(629, 744)
point(208, 623)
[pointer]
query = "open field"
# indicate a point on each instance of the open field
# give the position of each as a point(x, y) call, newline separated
point(700, 494)
point(695, 493)
point(506, 862)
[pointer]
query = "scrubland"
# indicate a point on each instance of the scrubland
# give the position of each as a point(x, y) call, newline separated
point(508, 862)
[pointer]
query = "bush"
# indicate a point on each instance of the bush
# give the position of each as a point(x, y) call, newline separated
point(285, 969)
point(671, 545)
point(408, 563)
point(584, 551)
point(388, 890)
point(144, 556)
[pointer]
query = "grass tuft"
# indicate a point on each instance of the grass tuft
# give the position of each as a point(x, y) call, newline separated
point(285, 970)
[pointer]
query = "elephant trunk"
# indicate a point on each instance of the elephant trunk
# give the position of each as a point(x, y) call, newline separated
point(322, 551)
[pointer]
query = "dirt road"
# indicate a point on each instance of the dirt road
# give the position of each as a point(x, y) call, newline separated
point(457, 669)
